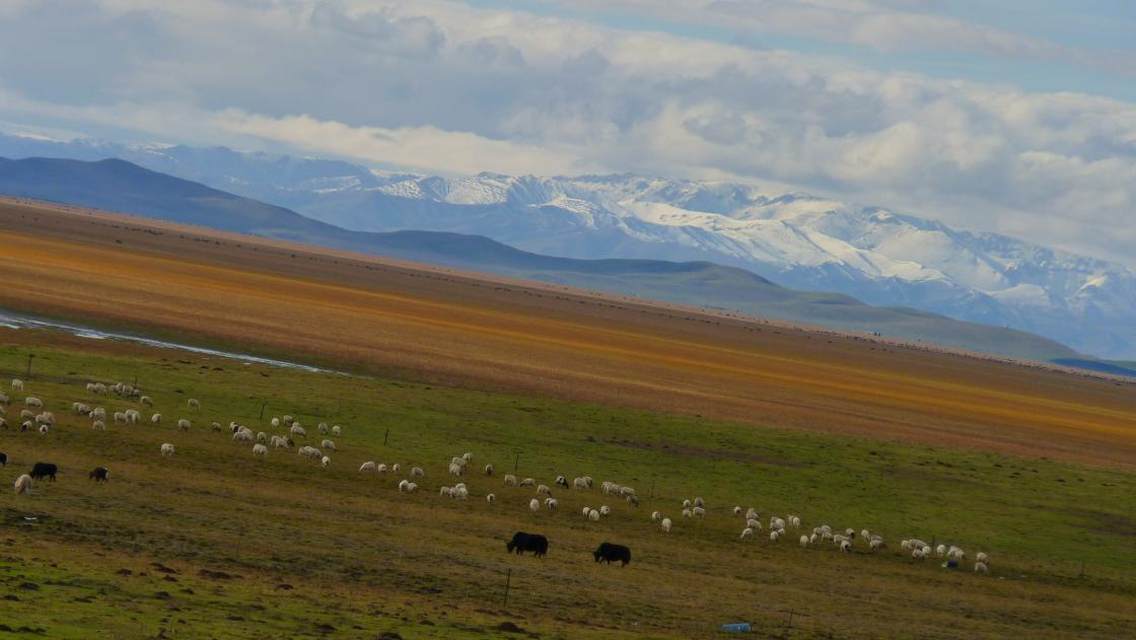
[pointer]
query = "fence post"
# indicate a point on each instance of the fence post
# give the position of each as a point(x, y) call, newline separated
point(260, 418)
point(516, 462)
point(508, 579)
point(29, 372)
point(385, 436)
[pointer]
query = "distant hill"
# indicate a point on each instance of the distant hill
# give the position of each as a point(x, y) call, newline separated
point(118, 185)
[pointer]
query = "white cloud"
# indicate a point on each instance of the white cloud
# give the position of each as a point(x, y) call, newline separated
point(437, 85)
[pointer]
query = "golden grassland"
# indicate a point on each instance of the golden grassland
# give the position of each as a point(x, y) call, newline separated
point(368, 315)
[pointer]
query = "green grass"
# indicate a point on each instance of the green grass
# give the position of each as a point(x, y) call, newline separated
point(364, 559)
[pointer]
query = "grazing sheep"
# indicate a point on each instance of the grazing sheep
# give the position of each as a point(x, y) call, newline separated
point(846, 546)
point(698, 512)
point(982, 557)
point(406, 486)
point(146, 401)
point(259, 450)
point(534, 505)
point(327, 444)
point(793, 521)
point(699, 503)
point(510, 480)
point(382, 468)
point(941, 550)
point(776, 523)
point(686, 504)
point(594, 515)
point(297, 430)
point(876, 543)
point(324, 461)
point(754, 524)
point(805, 540)
point(17, 384)
point(336, 430)
point(184, 425)
point(288, 420)
point(746, 533)
point(775, 535)
point(323, 428)
point(605, 510)
point(243, 435)
point(156, 418)
point(33, 402)
point(26, 425)
point(193, 404)
point(586, 511)
point(27, 414)
point(737, 511)
point(395, 468)
point(447, 492)
point(43, 429)
point(119, 416)
point(275, 422)
point(417, 472)
point(23, 484)
point(979, 567)
point(918, 553)
point(665, 525)
point(751, 514)
point(527, 482)
point(488, 469)
point(687, 513)
point(368, 466)
point(456, 469)
point(278, 442)
point(551, 504)
point(467, 456)
point(542, 489)
point(656, 516)
point(98, 425)
point(167, 449)
point(581, 483)
point(561, 481)
point(490, 498)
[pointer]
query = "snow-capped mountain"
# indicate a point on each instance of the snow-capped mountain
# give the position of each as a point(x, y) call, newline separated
point(797, 240)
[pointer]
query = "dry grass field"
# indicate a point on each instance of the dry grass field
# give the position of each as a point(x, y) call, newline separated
point(1033, 465)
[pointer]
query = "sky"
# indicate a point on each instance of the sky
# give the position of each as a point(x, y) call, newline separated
point(1016, 116)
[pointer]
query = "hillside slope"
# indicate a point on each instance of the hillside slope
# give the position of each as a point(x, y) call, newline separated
point(122, 186)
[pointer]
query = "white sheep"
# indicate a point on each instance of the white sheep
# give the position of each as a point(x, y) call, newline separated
point(259, 450)
point(182, 423)
point(324, 461)
point(23, 484)
point(98, 425)
point(43, 429)
point(543, 489)
point(297, 430)
point(979, 567)
point(586, 511)
point(656, 516)
point(278, 442)
point(746, 533)
point(327, 444)
point(456, 469)
point(459, 492)
point(941, 550)
point(776, 523)
point(737, 511)
point(698, 512)
point(580, 483)
point(551, 504)
point(687, 513)
point(368, 466)
point(323, 428)
point(336, 430)
point(751, 514)
point(594, 515)
point(288, 420)
point(382, 468)
point(665, 525)
point(275, 422)
point(167, 449)
point(17, 384)
point(489, 469)
point(918, 553)
point(446, 492)
point(754, 524)
point(33, 402)
point(805, 540)
point(527, 482)
point(193, 404)
point(243, 435)
point(793, 521)
point(396, 467)
point(467, 456)
point(417, 472)
point(510, 480)
point(490, 498)
point(875, 543)
point(146, 401)
point(846, 546)
point(404, 486)
point(686, 504)
point(982, 557)
point(534, 505)
point(261, 436)
point(156, 418)
point(775, 535)
point(605, 510)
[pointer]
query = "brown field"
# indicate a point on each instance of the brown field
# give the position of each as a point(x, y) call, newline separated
point(365, 314)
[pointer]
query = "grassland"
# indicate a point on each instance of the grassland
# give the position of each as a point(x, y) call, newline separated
point(395, 320)
point(313, 552)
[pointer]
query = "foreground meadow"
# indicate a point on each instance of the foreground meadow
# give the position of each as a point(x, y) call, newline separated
point(216, 543)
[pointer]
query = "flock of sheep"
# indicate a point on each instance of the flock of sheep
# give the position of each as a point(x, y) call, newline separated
point(34, 417)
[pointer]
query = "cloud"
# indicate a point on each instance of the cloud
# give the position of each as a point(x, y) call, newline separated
point(442, 86)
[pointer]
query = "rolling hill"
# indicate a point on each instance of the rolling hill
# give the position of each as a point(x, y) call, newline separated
point(123, 186)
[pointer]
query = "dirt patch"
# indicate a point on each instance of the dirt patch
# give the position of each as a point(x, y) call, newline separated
point(217, 575)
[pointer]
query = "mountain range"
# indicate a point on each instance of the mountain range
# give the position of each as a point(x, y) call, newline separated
point(797, 240)
point(118, 185)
